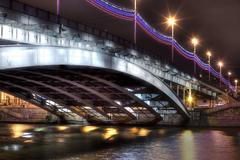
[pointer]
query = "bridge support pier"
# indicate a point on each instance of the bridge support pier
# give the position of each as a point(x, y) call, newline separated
point(55, 119)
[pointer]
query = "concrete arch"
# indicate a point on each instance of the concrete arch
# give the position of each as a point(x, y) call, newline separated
point(47, 108)
point(115, 86)
point(84, 88)
point(55, 89)
point(42, 56)
point(93, 91)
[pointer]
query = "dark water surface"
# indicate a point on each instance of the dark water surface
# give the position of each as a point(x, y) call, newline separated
point(22, 142)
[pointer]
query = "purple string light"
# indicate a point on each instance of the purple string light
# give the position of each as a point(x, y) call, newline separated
point(130, 14)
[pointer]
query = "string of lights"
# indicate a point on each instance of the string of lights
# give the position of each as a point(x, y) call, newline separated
point(129, 15)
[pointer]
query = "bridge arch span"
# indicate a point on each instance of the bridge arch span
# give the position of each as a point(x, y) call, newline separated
point(22, 59)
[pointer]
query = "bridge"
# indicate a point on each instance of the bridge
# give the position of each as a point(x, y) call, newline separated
point(70, 69)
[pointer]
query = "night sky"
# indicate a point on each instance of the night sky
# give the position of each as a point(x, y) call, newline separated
point(215, 22)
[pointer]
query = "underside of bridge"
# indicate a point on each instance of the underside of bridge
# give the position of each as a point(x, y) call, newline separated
point(98, 95)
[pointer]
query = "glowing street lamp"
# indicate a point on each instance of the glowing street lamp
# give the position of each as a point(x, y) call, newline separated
point(190, 99)
point(229, 80)
point(194, 42)
point(229, 75)
point(171, 22)
point(229, 83)
point(236, 85)
point(209, 54)
point(220, 64)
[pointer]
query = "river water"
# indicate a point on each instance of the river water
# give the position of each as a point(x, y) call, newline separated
point(74, 142)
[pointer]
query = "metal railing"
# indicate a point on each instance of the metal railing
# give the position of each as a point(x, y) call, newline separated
point(222, 107)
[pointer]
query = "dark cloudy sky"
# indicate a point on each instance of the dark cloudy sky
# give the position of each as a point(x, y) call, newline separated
point(216, 22)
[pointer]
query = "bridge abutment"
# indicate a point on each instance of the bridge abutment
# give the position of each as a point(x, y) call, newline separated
point(216, 117)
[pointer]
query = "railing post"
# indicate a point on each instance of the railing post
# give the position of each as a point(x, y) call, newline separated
point(178, 90)
point(184, 94)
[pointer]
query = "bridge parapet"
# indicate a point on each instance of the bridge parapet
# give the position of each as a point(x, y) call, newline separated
point(222, 108)
point(221, 116)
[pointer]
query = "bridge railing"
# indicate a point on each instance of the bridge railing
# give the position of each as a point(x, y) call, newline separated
point(222, 107)
point(35, 14)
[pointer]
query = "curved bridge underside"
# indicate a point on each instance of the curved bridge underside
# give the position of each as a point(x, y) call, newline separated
point(93, 85)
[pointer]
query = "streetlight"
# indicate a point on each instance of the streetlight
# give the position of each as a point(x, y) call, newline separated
point(171, 22)
point(229, 80)
point(236, 85)
point(195, 42)
point(229, 84)
point(60, 28)
point(135, 21)
point(220, 64)
point(190, 100)
point(229, 75)
point(190, 97)
point(209, 54)
point(58, 7)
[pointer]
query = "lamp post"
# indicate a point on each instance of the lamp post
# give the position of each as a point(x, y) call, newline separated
point(220, 64)
point(209, 54)
point(229, 75)
point(171, 22)
point(229, 84)
point(135, 21)
point(195, 42)
point(236, 85)
point(60, 28)
point(58, 7)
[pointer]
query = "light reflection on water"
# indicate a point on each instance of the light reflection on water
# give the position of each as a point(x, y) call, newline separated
point(18, 129)
point(187, 145)
point(87, 129)
point(109, 133)
point(102, 142)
